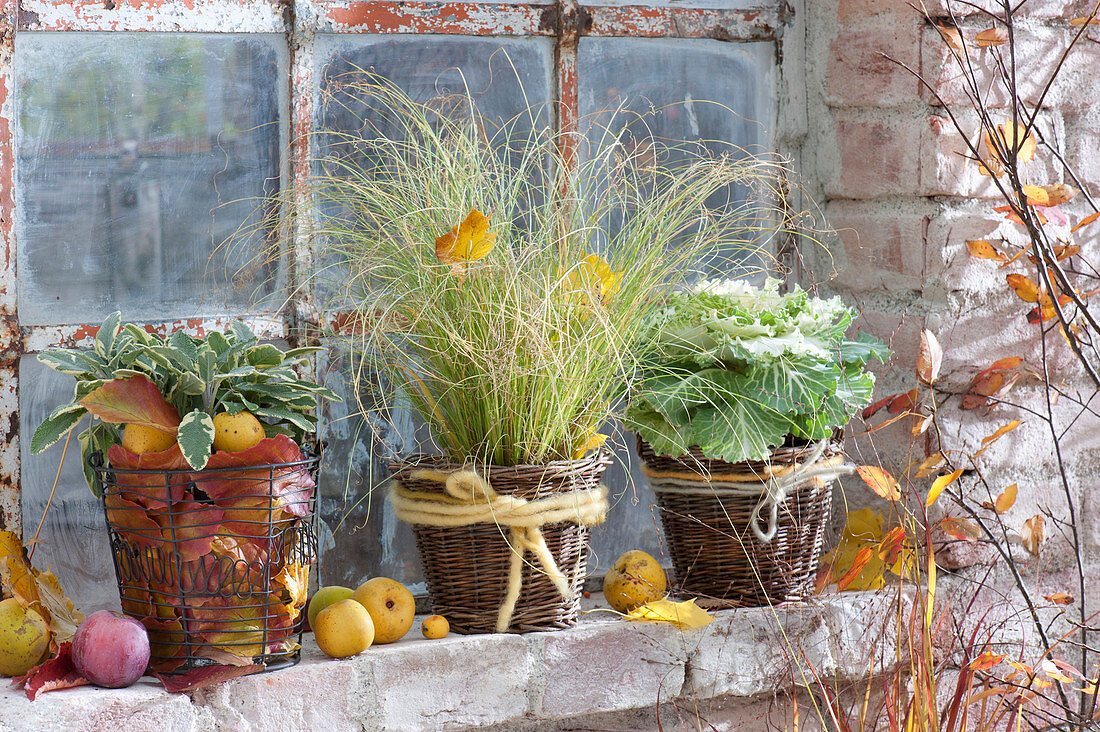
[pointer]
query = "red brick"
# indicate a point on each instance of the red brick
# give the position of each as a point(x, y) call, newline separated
point(859, 75)
point(878, 249)
point(877, 157)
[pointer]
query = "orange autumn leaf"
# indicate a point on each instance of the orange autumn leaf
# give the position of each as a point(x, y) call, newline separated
point(1062, 253)
point(929, 465)
point(1024, 287)
point(903, 402)
point(998, 434)
point(872, 409)
point(890, 545)
point(986, 661)
point(1086, 221)
point(951, 36)
point(1085, 21)
point(1059, 598)
point(879, 481)
point(960, 528)
point(1006, 500)
point(981, 388)
point(1002, 364)
point(939, 484)
point(468, 242)
point(991, 37)
point(858, 563)
point(982, 249)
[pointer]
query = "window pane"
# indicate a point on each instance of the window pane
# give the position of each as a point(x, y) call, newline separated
point(673, 90)
point(506, 77)
point(74, 538)
point(137, 155)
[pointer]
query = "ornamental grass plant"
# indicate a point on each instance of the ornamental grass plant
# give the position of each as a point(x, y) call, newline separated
point(499, 276)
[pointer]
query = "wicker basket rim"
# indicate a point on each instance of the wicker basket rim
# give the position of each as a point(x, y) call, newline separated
point(782, 454)
point(417, 460)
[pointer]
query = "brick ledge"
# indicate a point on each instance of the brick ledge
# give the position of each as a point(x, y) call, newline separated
point(602, 666)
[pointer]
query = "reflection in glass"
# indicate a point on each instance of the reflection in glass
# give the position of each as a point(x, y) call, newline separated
point(137, 155)
point(717, 95)
point(74, 538)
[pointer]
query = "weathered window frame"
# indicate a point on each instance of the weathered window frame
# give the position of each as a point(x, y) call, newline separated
point(565, 21)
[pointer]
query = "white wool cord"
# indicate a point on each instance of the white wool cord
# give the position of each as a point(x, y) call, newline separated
point(773, 489)
point(469, 500)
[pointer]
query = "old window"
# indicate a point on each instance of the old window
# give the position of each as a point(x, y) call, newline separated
point(143, 135)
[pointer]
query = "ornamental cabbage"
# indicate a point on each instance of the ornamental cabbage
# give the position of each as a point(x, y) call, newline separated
point(741, 368)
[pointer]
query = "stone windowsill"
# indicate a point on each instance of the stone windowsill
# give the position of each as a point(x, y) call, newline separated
point(601, 667)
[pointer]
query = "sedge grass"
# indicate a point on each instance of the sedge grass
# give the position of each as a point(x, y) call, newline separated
point(519, 357)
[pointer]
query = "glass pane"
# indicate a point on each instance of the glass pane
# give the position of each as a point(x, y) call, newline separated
point(74, 537)
point(719, 94)
point(137, 156)
point(506, 78)
point(633, 89)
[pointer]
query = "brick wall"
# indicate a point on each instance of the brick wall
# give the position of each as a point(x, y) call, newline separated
point(885, 161)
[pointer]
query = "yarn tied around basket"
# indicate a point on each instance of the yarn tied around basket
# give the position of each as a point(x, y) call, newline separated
point(773, 490)
point(469, 499)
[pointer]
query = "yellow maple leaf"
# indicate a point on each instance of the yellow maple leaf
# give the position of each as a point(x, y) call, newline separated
point(593, 440)
point(682, 615)
point(593, 275)
point(468, 242)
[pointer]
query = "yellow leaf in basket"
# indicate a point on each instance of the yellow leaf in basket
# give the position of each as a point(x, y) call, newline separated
point(683, 615)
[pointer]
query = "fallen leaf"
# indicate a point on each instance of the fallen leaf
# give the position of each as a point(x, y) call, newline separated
point(681, 615)
point(1059, 598)
point(201, 676)
point(881, 482)
point(1024, 287)
point(960, 528)
point(991, 37)
point(468, 242)
point(982, 249)
point(939, 484)
point(929, 358)
point(56, 673)
point(1032, 534)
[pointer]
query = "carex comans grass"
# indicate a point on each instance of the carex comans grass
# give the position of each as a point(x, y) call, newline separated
point(499, 282)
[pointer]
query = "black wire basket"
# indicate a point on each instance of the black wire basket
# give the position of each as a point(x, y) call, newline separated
point(215, 563)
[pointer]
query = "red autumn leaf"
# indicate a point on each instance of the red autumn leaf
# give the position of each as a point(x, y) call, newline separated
point(132, 521)
point(991, 37)
point(890, 545)
point(149, 490)
point(228, 482)
point(871, 410)
point(1002, 364)
point(197, 678)
point(1024, 287)
point(982, 387)
point(881, 482)
point(134, 400)
point(982, 249)
point(930, 357)
point(903, 402)
point(1059, 598)
point(190, 526)
point(960, 528)
point(986, 661)
point(56, 673)
point(859, 561)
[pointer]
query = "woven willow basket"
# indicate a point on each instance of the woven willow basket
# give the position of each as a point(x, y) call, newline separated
point(715, 554)
point(467, 567)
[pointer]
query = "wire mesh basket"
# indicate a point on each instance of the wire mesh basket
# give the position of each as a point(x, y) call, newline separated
point(215, 563)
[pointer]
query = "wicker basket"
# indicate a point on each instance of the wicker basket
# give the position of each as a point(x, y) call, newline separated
point(467, 567)
point(214, 563)
point(715, 554)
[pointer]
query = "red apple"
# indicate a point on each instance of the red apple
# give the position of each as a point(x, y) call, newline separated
point(110, 649)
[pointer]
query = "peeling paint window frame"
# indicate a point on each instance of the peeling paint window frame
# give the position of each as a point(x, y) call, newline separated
point(563, 21)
